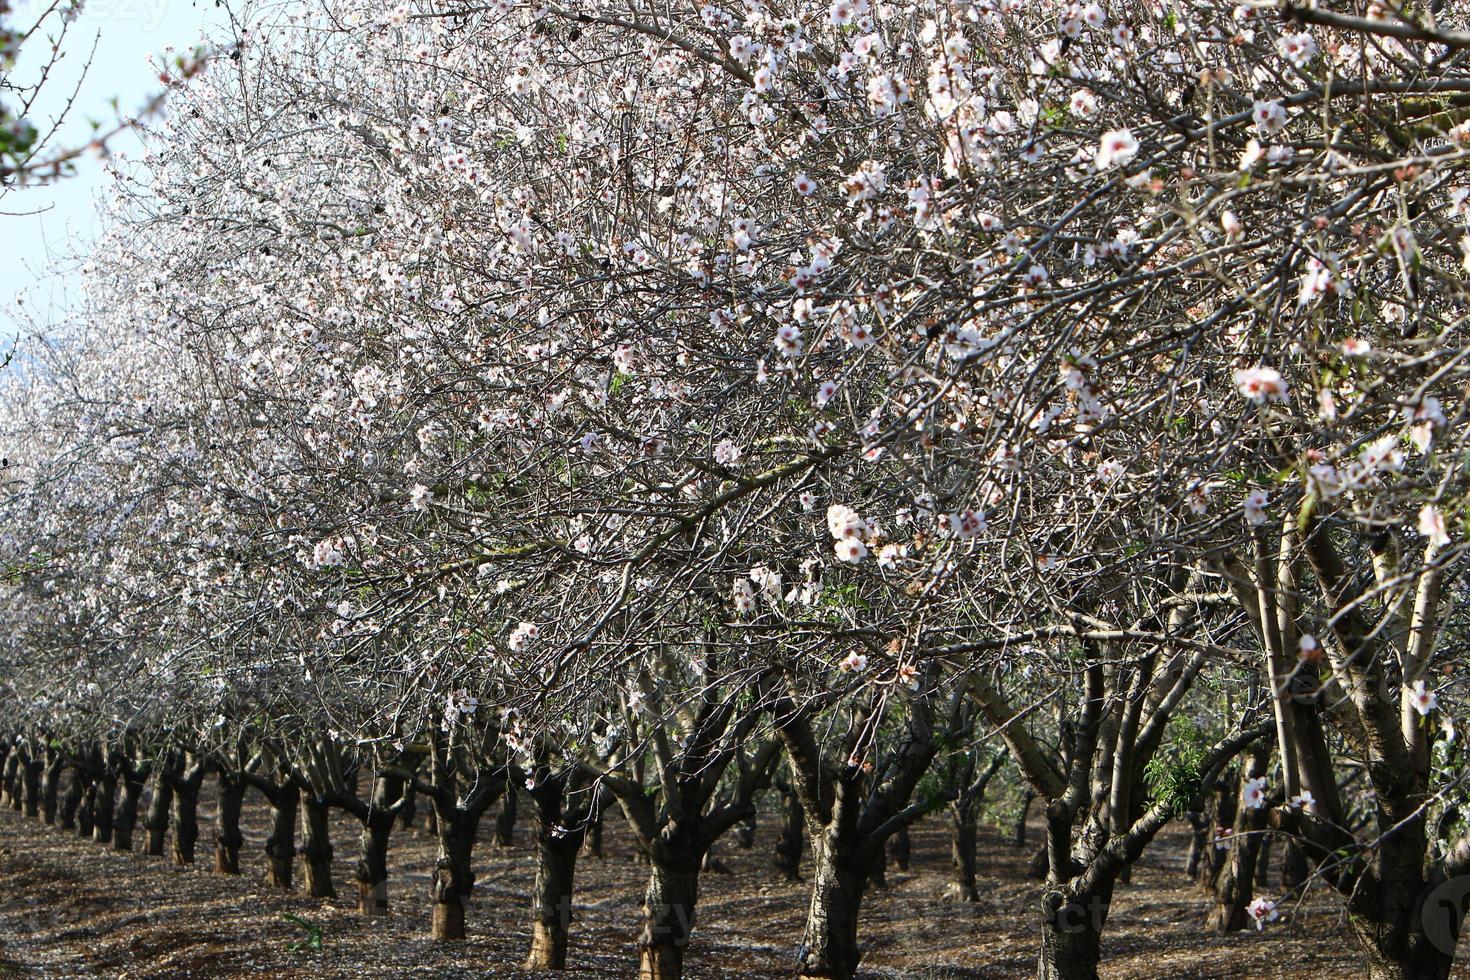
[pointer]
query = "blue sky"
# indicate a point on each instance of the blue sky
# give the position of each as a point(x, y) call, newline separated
point(42, 227)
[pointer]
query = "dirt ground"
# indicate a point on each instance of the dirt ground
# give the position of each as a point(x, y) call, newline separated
point(73, 908)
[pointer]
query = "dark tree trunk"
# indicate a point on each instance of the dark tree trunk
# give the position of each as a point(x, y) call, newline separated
point(557, 847)
point(11, 782)
point(505, 820)
point(103, 803)
point(7, 749)
point(51, 785)
point(1018, 836)
point(745, 833)
point(1235, 884)
point(31, 772)
point(839, 878)
point(1039, 863)
point(409, 810)
point(1071, 934)
point(962, 885)
point(592, 840)
point(1263, 862)
point(227, 837)
point(377, 827)
point(1199, 842)
point(668, 914)
point(900, 849)
point(133, 782)
point(316, 848)
point(71, 802)
point(1294, 869)
point(88, 810)
point(280, 842)
point(551, 901)
point(185, 814)
point(787, 860)
point(454, 880)
point(158, 810)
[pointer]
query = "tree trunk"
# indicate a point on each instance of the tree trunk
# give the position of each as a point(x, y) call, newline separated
point(316, 848)
point(158, 808)
point(668, 915)
point(1038, 864)
point(829, 943)
point(87, 811)
point(76, 791)
point(103, 802)
point(1294, 869)
point(1235, 885)
point(10, 783)
point(409, 810)
point(280, 842)
point(1071, 935)
point(1263, 862)
point(505, 821)
point(900, 849)
point(1018, 836)
point(31, 771)
point(1402, 951)
point(962, 886)
point(745, 833)
point(454, 881)
point(51, 785)
point(127, 810)
point(592, 840)
point(793, 833)
point(372, 862)
point(1199, 842)
point(186, 820)
point(227, 837)
point(551, 897)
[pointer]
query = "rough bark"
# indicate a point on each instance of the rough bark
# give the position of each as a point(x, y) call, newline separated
point(559, 833)
point(1071, 933)
point(87, 812)
point(962, 886)
point(787, 859)
point(505, 820)
point(900, 849)
point(592, 840)
point(1235, 884)
point(227, 837)
point(408, 809)
point(32, 768)
point(454, 880)
point(186, 812)
point(668, 915)
point(280, 841)
point(133, 781)
point(840, 875)
point(103, 802)
point(1018, 834)
point(377, 827)
point(964, 811)
point(156, 821)
point(316, 848)
point(51, 785)
point(10, 782)
point(745, 833)
point(71, 801)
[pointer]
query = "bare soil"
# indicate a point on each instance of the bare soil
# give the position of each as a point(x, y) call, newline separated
point(73, 908)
